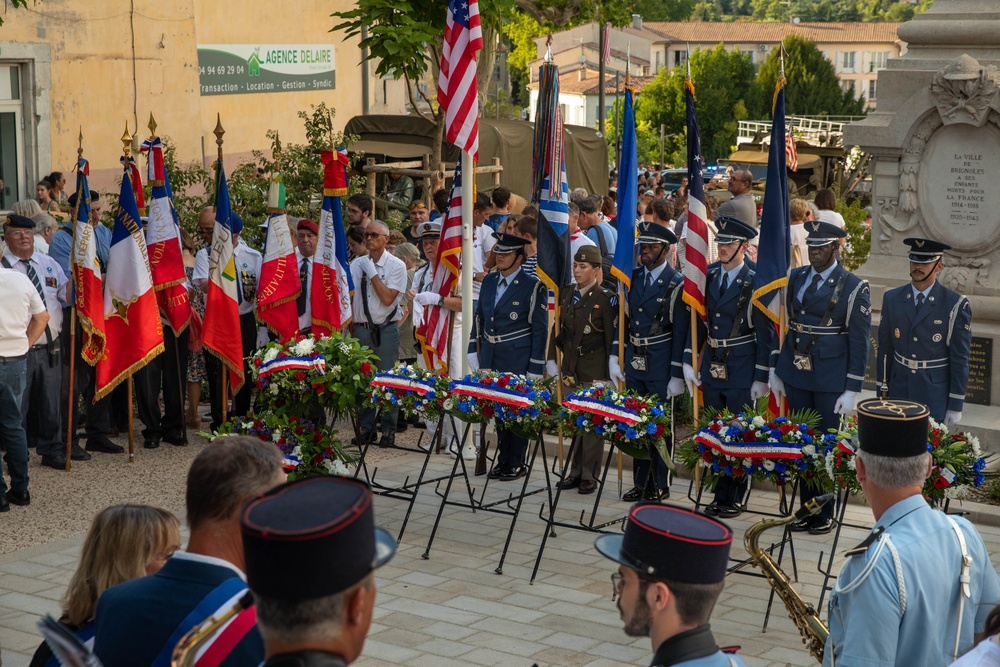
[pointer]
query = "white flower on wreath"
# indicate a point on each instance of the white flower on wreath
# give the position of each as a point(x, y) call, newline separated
point(273, 389)
point(305, 346)
point(808, 450)
point(747, 463)
point(828, 463)
point(335, 467)
point(297, 451)
point(957, 492)
point(768, 465)
point(852, 463)
point(335, 370)
point(276, 435)
point(758, 421)
point(345, 348)
point(271, 354)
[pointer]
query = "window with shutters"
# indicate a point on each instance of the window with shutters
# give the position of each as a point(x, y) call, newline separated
point(879, 61)
point(847, 61)
point(872, 87)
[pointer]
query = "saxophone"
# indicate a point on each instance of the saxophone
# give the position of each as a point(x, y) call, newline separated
point(814, 631)
point(187, 648)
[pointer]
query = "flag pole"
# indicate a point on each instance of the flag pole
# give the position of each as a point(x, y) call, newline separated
point(621, 284)
point(468, 189)
point(127, 150)
point(72, 312)
point(218, 132)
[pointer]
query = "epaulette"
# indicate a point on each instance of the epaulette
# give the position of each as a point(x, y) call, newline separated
point(862, 285)
point(866, 544)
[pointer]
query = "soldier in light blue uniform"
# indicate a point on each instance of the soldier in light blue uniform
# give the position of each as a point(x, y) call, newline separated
point(822, 362)
point(737, 345)
point(921, 585)
point(654, 355)
point(672, 568)
point(924, 337)
point(509, 331)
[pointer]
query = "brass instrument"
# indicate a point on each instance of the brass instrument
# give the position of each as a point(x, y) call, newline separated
point(187, 648)
point(814, 631)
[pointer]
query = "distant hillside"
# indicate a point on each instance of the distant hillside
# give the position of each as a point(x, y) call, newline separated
point(779, 10)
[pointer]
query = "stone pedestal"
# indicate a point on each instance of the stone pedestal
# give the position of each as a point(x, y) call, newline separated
point(935, 143)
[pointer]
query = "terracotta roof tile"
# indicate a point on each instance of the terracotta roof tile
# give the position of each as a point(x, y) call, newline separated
point(755, 31)
point(569, 82)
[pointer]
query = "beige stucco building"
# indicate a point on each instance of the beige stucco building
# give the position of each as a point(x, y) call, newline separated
point(67, 65)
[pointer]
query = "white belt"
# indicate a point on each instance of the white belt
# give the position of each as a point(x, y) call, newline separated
point(731, 342)
point(504, 338)
point(918, 365)
point(644, 342)
point(815, 330)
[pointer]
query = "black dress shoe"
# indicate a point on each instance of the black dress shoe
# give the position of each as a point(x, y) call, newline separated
point(57, 461)
point(728, 510)
point(151, 444)
point(654, 494)
point(512, 473)
point(100, 443)
point(568, 483)
point(711, 509)
point(4, 505)
point(820, 525)
point(587, 487)
point(497, 471)
point(20, 498)
point(78, 453)
point(176, 440)
point(633, 495)
point(387, 440)
point(365, 438)
point(799, 525)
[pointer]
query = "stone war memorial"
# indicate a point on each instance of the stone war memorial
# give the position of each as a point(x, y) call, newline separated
point(935, 146)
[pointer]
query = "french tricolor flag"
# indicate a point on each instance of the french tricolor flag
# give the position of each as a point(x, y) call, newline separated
point(331, 278)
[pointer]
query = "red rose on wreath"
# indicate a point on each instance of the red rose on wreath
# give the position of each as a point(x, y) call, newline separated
point(785, 429)
point(317, 436)
point(706, 457)
point(940, 482)
point(366, 367)
point(659, 430)
point(488, 412)
point(598, 420)
point(300, 376)
point(502, 383)
point(739, 472)
point(317, 458)
point(299, 430)
point(749, 436)
point(257, 362)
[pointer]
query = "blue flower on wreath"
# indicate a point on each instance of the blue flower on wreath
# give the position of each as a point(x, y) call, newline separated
point(930, 447)
point(630, 433)
point(803, 427)
point(781, 420)
point(581, 421)
point(702, 448)
point(802, 464)
point(806, 438)
point(780, 467)
point(733, 432)
point(546, 395)
point(651, 429)
point(599, 430)
point(776, 433)
point(979, 480)
point(657, 411)
point(729, 469)
point(979, 465)
point(715, 466)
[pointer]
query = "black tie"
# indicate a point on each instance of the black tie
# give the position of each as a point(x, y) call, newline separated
point(649, 280)
point(33, 277)
point(576, 296)
point(725, 284)
point(304, 282)
point(813, 286)
point(920, 299)
point(501, 288)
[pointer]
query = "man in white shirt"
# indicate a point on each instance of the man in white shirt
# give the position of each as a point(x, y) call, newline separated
point(43, 380)
point(22, 321)
point(379, 286)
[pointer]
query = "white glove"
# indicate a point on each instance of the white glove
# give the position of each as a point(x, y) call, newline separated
point(691, 378)
point(551, 368)
point(534, 376)
point(615, 371)
point(367, 266)
point(262, 337)
point(846, 402)
point(427, 298)
point(777, 386)
point(758, 390)
point(473, 361)
point(675, 387)
point(952, 418)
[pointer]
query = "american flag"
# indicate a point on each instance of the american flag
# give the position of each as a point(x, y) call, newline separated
point(433, 332)
point(606, 48)
point(696, 250)
point(791, 153)
point(458, 91)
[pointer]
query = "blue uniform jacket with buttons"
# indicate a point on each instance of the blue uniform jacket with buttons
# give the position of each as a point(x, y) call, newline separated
point(521, 314)
point(838, 360)
point(940, 332)
point(746, 362)
point(664, 358)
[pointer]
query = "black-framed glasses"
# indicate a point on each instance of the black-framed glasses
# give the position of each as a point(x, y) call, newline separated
point(373, 235)
point(617, 583)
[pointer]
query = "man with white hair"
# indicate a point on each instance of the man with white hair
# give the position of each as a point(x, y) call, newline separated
point(45, 229)
point(918, 589)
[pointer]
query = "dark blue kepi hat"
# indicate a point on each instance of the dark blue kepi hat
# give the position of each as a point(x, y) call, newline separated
point(820, 233)
point(892, 427)
point(19, 222)
point(672, 543)
point(654, 232)
point(507, 243)
point(924, 251)
point(728, 230)
point(326, 521)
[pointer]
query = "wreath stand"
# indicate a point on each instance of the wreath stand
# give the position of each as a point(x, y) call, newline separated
point(510, 506)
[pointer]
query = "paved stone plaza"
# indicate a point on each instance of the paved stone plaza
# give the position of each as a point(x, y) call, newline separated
point(453, 609)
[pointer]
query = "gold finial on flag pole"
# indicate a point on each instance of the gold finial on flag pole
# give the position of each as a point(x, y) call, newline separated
point(127, 143)
point(152, 126)
point(79, 147)
point(218, 132)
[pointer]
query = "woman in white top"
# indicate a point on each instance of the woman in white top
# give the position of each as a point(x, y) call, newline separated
point(987, 652)
point(827, 204)
point(798, 212)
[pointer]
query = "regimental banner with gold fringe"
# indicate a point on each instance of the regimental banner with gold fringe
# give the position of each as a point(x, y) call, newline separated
point(89, 287)
point(131, 314)
point(163, 242)
point(280, 284)
point(220, 332)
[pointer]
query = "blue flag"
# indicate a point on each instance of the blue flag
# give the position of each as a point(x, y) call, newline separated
point(628, 196)
point(774, 254)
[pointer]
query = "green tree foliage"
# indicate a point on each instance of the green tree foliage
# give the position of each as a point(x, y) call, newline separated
point(705, 11)
point(14, 5)
point(812, 87)
point(647, 137)
point(664, 10)
point(520, 31)
point(726, 91)
point(859, 235)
